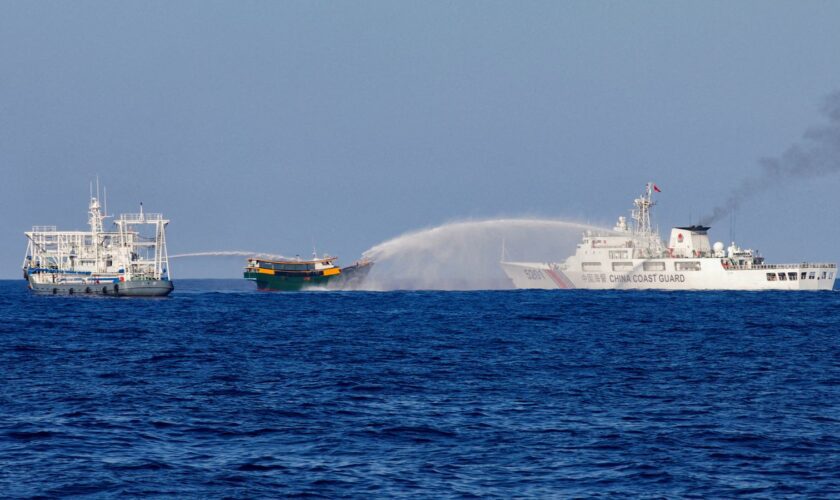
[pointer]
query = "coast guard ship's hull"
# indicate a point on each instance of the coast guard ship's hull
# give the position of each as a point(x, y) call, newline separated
point(636, 258)
point(554, 275)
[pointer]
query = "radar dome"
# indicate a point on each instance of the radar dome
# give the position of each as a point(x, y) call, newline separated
point(718, 247)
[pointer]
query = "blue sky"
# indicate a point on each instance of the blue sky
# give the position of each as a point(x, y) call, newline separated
point(272, 125)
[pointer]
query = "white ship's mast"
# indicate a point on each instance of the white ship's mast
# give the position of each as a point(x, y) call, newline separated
point(95, 220)
point(641, 211)
point(647, 241)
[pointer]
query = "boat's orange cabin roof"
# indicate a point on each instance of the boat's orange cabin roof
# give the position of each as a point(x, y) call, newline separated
point(313, 261)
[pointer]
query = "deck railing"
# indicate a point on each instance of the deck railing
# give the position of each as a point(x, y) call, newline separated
point(144, 217)
point(803, 265)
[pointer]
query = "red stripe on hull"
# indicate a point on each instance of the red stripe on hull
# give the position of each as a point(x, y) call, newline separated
point(559, 278)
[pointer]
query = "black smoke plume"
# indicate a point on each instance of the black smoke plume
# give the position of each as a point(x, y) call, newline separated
point(816, 155)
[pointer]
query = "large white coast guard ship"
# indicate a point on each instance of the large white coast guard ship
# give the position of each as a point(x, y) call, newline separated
point(634, 257)
point(131, 260)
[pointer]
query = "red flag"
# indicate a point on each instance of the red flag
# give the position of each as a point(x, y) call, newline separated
point(656, 188)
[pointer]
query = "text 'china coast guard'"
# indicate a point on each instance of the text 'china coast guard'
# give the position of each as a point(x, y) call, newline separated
point(635, 257)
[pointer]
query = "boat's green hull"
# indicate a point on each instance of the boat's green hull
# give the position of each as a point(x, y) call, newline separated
point(288, 283)
point(348, 278)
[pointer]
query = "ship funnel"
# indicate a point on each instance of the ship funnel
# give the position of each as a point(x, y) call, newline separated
point(690, 241)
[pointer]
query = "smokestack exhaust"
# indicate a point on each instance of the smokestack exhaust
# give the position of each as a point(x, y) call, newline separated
point(816, 155)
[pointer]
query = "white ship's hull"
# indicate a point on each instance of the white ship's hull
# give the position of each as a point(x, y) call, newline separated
point(711, 276)
point(107, 287)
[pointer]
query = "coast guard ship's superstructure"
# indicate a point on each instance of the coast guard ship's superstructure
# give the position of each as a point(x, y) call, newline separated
point(129, 261)
point(635, 257)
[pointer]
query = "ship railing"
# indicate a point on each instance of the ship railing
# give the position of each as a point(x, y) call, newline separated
point(803, 265)
point(137, 218)
point(614, 245)
point(44, 229)
point(144, 277)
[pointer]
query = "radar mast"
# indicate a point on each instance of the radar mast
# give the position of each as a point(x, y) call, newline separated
point(641, 211)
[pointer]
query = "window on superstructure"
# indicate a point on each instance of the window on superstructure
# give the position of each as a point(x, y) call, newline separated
point(291, 267)
point(771, 276)
point(590, 266)
point(792, 276)
point(803, 276)
point(653, 266)
point(812, 275)
point(687, 266)
point(622, 266)
point(782, 277)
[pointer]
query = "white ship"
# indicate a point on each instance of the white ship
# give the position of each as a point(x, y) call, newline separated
point(131, 260)
point(636, 258)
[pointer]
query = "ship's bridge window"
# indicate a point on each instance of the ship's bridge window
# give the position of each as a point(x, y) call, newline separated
point(590, 266)
point(771, 276)
point(687, 266)
point(618, 254)
point(792, 276)
point(653, 266)
point(622, 266)
point(782, 277)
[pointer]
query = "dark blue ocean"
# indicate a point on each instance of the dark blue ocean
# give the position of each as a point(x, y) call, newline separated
point(222, 391)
